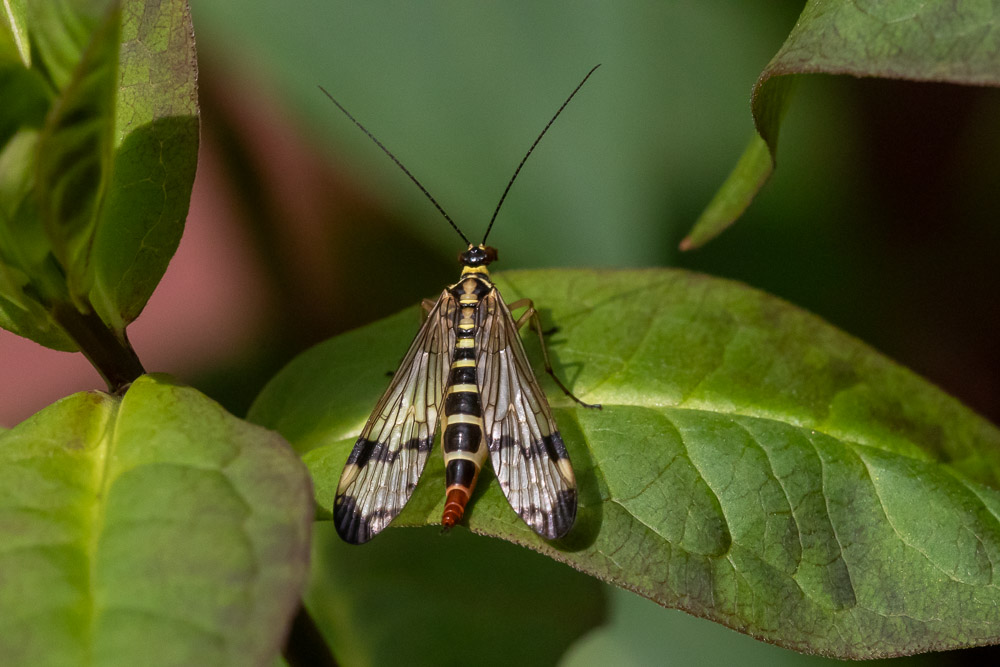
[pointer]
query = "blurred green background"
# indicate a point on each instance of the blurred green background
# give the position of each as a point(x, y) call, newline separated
point(880, 217)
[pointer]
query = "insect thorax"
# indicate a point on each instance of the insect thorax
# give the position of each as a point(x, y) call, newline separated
point(472, 286)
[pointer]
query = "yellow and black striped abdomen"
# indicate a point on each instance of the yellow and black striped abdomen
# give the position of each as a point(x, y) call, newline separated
point(462, 440)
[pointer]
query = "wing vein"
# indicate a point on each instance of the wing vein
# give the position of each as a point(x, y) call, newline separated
point(393, 448)
point(529, 458)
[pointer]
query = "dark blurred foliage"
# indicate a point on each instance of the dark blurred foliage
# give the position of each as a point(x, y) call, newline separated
point(906, 259)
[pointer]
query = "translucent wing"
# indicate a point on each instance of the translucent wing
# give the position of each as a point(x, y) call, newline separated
point(391, 451)
point(528, 454)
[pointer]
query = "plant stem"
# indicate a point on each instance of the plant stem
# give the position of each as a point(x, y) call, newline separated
point(306, 646)
point(113, 357)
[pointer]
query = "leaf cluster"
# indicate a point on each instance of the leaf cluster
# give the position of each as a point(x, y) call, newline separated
point(752, 465)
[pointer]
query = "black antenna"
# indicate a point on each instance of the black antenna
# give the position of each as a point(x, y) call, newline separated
point(400, 164)
point(525, 158)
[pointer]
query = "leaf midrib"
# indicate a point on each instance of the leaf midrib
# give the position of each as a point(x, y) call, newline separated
point(103, 458)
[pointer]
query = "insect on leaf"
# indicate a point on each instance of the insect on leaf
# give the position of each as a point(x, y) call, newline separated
point(752, 464)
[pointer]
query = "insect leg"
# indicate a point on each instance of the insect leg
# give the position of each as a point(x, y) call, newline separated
point(531, 315)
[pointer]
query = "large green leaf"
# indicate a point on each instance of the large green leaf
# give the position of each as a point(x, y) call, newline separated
point(902, 39)
point(751, 465)
point(153, 529)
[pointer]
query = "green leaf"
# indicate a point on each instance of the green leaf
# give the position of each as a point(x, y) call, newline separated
point(153, 529)
point(28, 318)
point(156, 151)
point(387, 603)
point(23, 244)
point(24, 249)
point(26, 100)
point(748, 176)
point(61, 31)
point(14, 32)
point(74, 158)
point(903, 39)
point(99, 205)
point(752, 465)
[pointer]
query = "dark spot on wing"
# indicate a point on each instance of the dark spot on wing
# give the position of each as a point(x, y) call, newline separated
point(556, 523)
point(362, 452)
point(352, 526)
point(555, 447)
point(366, 451)
point(551, 446)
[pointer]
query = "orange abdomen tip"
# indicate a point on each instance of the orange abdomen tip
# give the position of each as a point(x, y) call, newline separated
point(454, 507)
